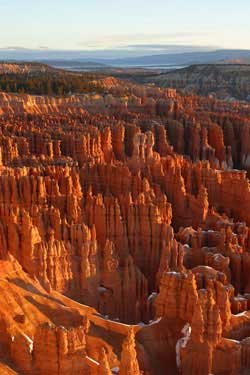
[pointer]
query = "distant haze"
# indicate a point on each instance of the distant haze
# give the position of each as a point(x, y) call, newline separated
point(131, 27)
point(82, 60)
point(116, 53)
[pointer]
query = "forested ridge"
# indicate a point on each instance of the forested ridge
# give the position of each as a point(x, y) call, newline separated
point(49, 83)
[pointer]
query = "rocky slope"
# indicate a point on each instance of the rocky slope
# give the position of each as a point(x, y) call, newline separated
point(224, 81)
point(8, 67)
point(124, 229)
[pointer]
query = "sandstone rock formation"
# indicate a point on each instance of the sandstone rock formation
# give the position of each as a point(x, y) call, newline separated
point(129, 364)
point(124, 233)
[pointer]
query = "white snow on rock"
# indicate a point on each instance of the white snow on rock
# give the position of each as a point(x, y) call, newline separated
point(152, 322)
point(152, 295)
point(182, 343)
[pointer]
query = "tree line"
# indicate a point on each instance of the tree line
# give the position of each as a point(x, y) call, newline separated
point(49, 84)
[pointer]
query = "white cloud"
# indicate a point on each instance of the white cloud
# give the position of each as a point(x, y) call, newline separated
point(124, 40)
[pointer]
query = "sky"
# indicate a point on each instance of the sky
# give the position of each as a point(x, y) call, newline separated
point(124, 24)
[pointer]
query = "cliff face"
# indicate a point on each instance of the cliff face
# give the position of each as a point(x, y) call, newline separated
point(124, 209)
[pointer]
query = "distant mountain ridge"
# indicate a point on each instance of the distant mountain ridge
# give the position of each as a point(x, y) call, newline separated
point(174, 59)
point(187, 58)
point(75, 65)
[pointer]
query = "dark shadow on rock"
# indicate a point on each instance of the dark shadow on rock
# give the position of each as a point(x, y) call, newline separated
point(31, 288)
point(59, 316)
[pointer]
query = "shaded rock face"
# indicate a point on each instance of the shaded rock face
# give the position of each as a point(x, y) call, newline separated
point(124, 234)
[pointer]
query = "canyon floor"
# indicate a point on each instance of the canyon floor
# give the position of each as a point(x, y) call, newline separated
point(124, 231)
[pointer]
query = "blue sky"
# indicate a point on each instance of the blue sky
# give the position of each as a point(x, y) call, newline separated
point(106, 24)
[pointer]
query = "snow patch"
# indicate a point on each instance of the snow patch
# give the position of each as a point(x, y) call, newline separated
point(152, 322)
point(152, 295)
point(239, 299)
point(182, 342)
point(30, 342)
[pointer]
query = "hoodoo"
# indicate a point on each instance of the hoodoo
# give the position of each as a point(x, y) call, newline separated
point(124, 233)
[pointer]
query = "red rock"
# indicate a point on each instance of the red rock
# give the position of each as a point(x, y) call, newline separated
point(129, 364)
point(124, 208)
point(104, 368)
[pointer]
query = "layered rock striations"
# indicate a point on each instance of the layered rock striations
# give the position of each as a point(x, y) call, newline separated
point(124, 233)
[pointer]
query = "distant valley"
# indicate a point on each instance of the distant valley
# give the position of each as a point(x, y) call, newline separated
point(83, 60)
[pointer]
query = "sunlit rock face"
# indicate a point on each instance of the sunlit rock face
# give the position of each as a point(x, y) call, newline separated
point(124, 238)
